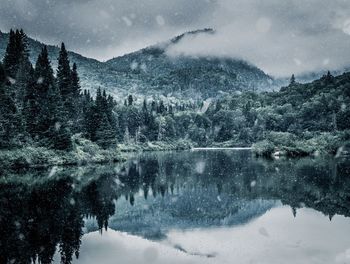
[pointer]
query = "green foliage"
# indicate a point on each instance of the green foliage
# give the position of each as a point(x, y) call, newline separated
point(45, 110)
point(263, 148)
point(82, 152)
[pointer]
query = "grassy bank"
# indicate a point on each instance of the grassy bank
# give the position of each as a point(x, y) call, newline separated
point(307, 144)
point(86, 152)
point(83, 152)
point(156, 146)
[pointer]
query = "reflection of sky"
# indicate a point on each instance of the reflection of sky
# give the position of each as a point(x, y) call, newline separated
point(275, 237)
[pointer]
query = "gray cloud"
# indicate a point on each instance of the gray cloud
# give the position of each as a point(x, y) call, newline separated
point(279, 36)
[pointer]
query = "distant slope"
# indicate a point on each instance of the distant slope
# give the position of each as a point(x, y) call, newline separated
point(151, 72)
point(189, 76)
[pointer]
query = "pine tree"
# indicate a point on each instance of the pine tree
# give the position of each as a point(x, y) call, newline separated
point(74, 101)
point(130, 100)
point(50, 125)
point(24, 48)
point(64, 73)
point(105, 135)
point(75, 82)
point(10, 120)
point(23, 77)
point(328, 78)
point(2, 74)
point(16, 53)
point(292, 80)
point(145, 113)
point(11, 56)
point(31, 105)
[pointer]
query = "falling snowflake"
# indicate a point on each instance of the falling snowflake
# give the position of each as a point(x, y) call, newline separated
point(40, 80)
point(127, 21)
point(53, 171)
point(200, 166)
point(160, 20)
point(134, 65)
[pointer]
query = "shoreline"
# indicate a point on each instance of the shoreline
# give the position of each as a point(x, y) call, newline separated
point(83, 154)
point(223, 148)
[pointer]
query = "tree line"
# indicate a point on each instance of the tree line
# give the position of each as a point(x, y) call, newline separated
point(38, 107)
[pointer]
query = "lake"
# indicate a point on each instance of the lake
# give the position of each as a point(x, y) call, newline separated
point(204, 206)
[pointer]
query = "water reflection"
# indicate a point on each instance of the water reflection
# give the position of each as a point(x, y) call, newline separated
point(156, 192)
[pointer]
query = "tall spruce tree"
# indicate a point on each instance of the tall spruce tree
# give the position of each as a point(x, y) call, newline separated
point(292, 80)
point(64, 73)
point(11, 123)
point(74, 102)
point(2, 74)
point(16, 52)
point(50, 126)
point(105, 135)
point(75, 82)
point(11, 56)
point(23, 77)
point(31, 106)
point(45, 84)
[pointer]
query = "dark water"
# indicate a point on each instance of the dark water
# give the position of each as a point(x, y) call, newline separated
point(178, 199)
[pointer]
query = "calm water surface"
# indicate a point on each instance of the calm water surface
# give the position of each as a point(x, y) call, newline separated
point(217, 206)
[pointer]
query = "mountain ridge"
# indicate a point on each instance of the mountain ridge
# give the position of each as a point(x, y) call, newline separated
point(151, 72)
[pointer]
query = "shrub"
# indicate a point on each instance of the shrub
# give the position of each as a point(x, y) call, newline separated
point(263, 148)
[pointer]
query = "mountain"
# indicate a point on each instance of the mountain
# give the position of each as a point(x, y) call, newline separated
point(156, 72)
point(151, 72)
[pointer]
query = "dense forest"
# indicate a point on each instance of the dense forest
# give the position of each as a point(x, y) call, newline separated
point(43, 109)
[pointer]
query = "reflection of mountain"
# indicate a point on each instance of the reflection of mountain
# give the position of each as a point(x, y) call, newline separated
point(154, 217)
point(167, 190)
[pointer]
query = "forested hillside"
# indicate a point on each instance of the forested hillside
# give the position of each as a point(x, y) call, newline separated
point(188, 76)
point(42, 109)
point(152, 72)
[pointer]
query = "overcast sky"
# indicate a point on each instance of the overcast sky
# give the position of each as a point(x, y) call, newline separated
point(280, 37)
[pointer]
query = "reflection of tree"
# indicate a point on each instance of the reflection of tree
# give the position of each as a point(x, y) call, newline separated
point(72, 230)
point(37, 218)
point(148, 174)
point(35, 221)
point(98, 197)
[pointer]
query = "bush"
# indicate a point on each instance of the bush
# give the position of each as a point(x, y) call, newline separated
point(263, 148)
point(83, 152)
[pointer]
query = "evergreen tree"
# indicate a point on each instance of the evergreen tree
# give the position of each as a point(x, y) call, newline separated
point(64, 77)
point(130, 100)
point(74, 101)
point(145, 113)
point(10, 120)
point(11, 55)
point(75, 82)
point(31, 105)
point(16, 53)
point(161, 108)
point(23, 77)
point(105, 135)
point(328, 78)
point(292, 80)
point(50, 127)
point(2, 74)
point(24, 47)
